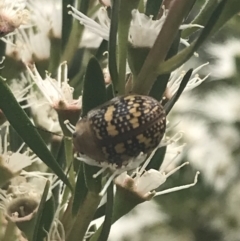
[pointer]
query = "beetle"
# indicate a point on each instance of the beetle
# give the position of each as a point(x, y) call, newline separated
point(121, 129)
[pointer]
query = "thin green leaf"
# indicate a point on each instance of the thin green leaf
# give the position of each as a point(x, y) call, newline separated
point(80, 191)
point(190, 8)
point(159, 87)
point(37, 227)
point(153, 7)
point(100, 212)
point(176, 61)
point(94, 94)
point(12, 68)
point(124, 20)
point(202, 17)
point(112, 47)
point(2, 48)
point(230, 8)
point(46, 219)
point(15, 141)
point(176, 96)
point(94, 90)
point(66, 21)
point(100, 53)
point(25, 129)
point(60, 158)
point(211, 24)
point(136, 58)
point(157, 159)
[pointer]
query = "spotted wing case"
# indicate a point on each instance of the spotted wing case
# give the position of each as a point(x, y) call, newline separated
point(126, 126)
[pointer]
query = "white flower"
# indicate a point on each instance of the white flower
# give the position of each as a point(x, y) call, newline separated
point(55, 91)
point(107, 76)
point(21, 90)
point(47, 16)
point(44, 115)
point(130, 165)
point(20, 202)
point(12, 15)
point(101, 29)
point(14, 161)
point(177, 76)
point(33, 44)
point(143, 30)
point(28, 46)
point(145, 183)
point(90, 40)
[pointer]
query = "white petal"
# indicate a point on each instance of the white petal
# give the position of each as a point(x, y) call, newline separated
point(149, 181)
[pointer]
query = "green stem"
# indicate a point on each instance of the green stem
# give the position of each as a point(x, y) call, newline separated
point(54, 54)
point(122, 53)
point(76, 33)
point(185, 54)
point(158, 53)
point(84, 217)
point(106, 226)
point(73, 42)
point(66, 217)
point(125, 200)
point(68, 144)
point(69, 162)
point(141, 6)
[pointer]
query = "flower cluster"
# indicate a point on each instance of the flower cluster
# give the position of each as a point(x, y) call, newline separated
point(12, 15)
